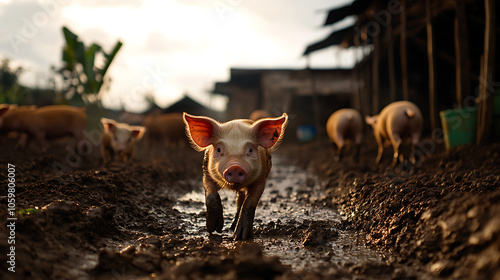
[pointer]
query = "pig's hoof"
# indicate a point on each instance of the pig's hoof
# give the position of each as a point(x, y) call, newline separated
point(242, 233)
point(214, 225)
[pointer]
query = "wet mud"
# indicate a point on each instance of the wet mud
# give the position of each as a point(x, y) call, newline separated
point(317, 219)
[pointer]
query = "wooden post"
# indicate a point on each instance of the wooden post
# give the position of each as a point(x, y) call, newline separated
point(355, 95)
point(404, 66)
point(461, 53)
point(430, 54)
point(390, 61)
point(485, 109)
point(375, 73)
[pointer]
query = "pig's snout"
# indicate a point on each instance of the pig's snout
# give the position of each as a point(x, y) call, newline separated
point(235, 174)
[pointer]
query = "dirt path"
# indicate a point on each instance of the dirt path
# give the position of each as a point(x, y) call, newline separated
point(291, 222)
point(146, 219)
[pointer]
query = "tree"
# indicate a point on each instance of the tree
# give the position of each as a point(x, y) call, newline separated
point(83, 79)
point(10, 90)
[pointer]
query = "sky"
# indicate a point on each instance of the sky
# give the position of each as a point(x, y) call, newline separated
point(170, 47)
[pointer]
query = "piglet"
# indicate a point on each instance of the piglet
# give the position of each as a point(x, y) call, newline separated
point(237, 157)
point(345, 125)
point(397, 121)
point(166, 129)
point(119, 138)
point(45, 123)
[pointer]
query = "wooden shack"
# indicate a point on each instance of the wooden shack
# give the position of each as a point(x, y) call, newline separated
point(309, 96)
point(439, 54)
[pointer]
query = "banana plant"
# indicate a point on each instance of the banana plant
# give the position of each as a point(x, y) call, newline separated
point(80, 74)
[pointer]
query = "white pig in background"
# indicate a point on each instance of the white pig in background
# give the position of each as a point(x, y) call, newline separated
point(397, 121)
point(119, 138)
point(237, 157)
point(345, 125)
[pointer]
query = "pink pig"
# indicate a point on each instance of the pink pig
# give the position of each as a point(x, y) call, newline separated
point(345, 125)
point(237, 157)
point(398, 120)
point(119, 138)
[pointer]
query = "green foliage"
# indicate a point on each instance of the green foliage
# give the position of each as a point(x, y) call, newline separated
point(29, 211)
point(82, 76)
point(10, 90)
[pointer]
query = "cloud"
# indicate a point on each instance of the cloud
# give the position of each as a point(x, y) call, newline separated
point(195, 41)
point(110, 3)
point(157, 43)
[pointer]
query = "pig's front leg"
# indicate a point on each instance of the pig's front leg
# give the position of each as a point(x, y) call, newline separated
point(244, 227)
point(215, 220)
point(240, 198)
point(23, 141)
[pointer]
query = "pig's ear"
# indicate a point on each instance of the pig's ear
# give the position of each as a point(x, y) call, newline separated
point(109, 125)
point(200, 130)
point(137, 131)
point(4, 110)
point(270, 131)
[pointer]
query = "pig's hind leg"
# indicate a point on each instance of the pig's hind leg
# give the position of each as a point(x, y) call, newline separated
point(244, 227)
point(396, 143)
point(240, 198)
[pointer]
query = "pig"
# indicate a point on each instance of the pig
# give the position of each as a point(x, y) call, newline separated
point(342, 125)
point(259, 114)
point(397, 121)
point(168, 129)
point(6, 130)
point(238, 158)
point(119, 138)
point(46, 123)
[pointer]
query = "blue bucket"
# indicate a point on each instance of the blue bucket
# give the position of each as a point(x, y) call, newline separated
point(306, 133)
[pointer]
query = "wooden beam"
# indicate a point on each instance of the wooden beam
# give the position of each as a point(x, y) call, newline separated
point(404, 66)
point(375, 74)
point(485, 109)
point(390, 61)
point(430, 55)
point(461, 52)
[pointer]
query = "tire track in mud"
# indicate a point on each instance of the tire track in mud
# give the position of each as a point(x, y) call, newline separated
point(291, 222)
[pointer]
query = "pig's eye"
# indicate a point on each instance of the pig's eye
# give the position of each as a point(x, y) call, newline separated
point(251, 151)
point(219, 150)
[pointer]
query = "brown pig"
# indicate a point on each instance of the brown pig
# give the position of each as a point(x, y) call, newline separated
point(397, 121)
point(167, 129)
point(345, 125)
point(237, 157)
point(46, 123)
point(259, 114)
point(119, 138)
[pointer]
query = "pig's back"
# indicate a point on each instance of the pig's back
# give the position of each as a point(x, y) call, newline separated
point(395, 119)
point(347, 122)
point(58, 120)
point(169, 126)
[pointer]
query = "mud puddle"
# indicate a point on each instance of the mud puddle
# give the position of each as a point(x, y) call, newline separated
point(290, 222)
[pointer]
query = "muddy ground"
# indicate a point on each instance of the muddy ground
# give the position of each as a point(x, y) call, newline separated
point(318, 219)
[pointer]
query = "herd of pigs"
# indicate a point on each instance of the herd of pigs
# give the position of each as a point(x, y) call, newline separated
point(237, 153)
